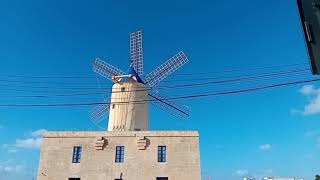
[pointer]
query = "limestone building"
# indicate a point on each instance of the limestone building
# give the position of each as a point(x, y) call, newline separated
point(128, 150)
point(131, 155)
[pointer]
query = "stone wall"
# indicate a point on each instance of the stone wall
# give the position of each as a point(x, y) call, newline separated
point(140, 156)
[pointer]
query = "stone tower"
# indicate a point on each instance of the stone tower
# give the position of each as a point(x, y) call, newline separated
point(129, 104)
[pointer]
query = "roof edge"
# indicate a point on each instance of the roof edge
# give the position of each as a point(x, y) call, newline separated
point(88, 134)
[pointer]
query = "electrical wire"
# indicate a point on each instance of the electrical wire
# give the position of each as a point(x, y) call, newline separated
point(109, 83)
point(277, 74)
point(240, 91)
point(271, 76)
point(228, 70)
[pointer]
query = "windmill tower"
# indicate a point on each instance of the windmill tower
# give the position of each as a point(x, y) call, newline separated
point(131, 92)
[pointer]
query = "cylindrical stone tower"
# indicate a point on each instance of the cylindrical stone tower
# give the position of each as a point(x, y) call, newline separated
point(129, 107)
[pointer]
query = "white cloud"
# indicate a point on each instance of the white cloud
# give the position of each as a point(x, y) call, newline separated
point(309, 90)
point(38, 133)
point(12, 170)
point(258, 174)
point(12, 150)
point(265, 147)
point(242, 172)
point(33, 142)
point(11, 166)
point(5, 146)
point(263, 173)
point(313, 94)
point(9, 148)
point(29, 143)
point(313, 107)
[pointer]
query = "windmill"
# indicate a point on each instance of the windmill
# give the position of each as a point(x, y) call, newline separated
point(128, 105)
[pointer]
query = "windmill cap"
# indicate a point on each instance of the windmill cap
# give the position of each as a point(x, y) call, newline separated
point(134, 73)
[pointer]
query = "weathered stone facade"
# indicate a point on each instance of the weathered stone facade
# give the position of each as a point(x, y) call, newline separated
point(140, 155)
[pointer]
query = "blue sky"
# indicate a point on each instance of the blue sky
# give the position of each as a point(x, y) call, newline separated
point(265, 133)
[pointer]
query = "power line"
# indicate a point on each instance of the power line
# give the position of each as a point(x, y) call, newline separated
point(278, 74)
point(227, 70)
point(172, 98)
point(191, 85)
point(247, 68)
point(237, 79)
point(88, 83)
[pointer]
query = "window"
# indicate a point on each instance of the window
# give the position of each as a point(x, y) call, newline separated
point(162, 178)
point(123, 89)
point(119, 154)
point(74, 178)
point(76, 155)
point(162, 153)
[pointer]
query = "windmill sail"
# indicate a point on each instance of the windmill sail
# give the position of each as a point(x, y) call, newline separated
point(136, 52)
point(129, 87)
point(167, 68)
point(106, 70)
point(99, 112)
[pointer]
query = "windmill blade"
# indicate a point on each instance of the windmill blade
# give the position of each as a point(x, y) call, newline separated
point(99, 112)
point(166, 69)
point(106, 70)
point(165, 103)
point(136, 52)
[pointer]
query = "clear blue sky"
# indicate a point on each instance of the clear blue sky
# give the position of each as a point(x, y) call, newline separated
point(260, 133)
